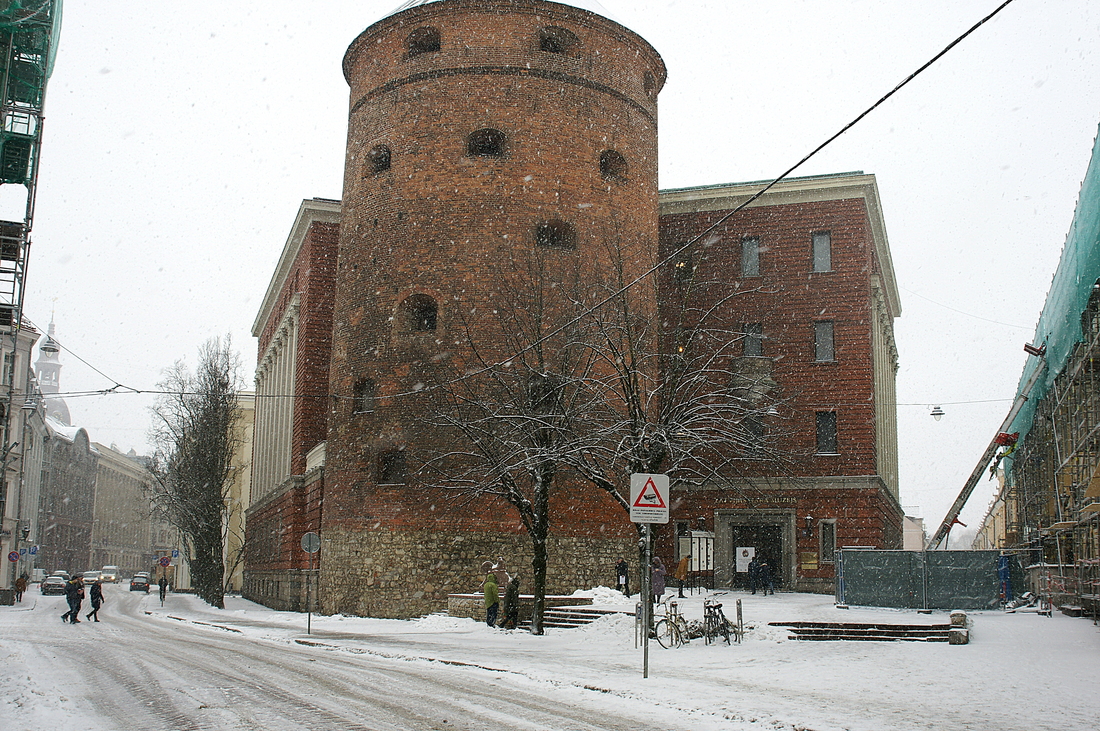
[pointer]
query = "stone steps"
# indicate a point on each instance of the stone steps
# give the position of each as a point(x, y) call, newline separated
point(867, 632)
point(568, 617)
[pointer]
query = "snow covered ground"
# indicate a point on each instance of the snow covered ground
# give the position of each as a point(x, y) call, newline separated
point(1020, 671)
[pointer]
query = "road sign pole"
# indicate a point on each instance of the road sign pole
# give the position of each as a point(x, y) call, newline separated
point(309, 598)
point(647, 594)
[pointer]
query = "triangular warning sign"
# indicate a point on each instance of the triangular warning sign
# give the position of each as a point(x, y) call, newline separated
point(650, 496)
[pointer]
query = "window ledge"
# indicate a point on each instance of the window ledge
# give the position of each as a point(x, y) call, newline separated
point(826, 454)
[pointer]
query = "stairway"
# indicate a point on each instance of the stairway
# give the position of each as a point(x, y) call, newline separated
point(568, 617)
point(866, 632)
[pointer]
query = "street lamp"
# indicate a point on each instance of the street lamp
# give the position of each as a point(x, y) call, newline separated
point(937, 413)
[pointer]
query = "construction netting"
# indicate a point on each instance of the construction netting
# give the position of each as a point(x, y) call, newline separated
point(39, 17)
point(1059, 328)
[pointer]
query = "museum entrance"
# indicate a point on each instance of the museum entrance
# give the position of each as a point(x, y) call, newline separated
point(767, 541)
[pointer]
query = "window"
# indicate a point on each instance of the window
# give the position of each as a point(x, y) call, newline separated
point(612, 165)
point(423, 40)
point(823, 342)
point(649, 84)
point(826, 432)
point(827, 533)
point(544, 393)
point(755, 431)
point(823, 251)
point(391, 468)
point(485, 143)
point(683, 269)
point(752, 345)
point(364, 396)
point(555, 235)
point(378, 159)
point(418, 313)
point(750, 257)
point(8, 376)
point(553, 39)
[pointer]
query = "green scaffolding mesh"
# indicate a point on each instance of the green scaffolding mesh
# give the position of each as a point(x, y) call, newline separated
point(1059, 327)
point(35, 22)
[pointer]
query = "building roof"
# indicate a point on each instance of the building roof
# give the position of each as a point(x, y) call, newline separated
point(590, 5)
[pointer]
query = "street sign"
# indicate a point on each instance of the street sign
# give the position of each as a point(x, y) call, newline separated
point(648, 498)
point(311, 542)
point(165, 561)
point(13, 556)
point(175, 553)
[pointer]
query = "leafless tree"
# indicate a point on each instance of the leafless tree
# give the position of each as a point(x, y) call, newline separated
point(195, 440)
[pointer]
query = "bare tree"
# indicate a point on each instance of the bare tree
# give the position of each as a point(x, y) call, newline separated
point(195, 441)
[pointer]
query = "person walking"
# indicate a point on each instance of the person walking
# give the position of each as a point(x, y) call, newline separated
point(658, 579)
point(754, 573)
point(511, 604)
point(95, 596)
point(767, 582)
point(622, 574)
point(74, 595)
point(492, 598)
point(20, 587)
point(681, 572)
point(163, 584)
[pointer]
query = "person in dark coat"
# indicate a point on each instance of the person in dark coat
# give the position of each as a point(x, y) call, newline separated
point(163, 584)
point(511, 604)
point(20, 587)
point(95, 595)
point(622, 574)
point(658, 580)
point(767, 582)
point(74, 595)
point(492, 598)
point(754, 573)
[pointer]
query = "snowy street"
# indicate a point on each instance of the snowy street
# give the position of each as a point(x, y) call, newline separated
point(188, 666)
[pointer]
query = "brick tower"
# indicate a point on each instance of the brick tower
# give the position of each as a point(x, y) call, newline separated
point(482, 133)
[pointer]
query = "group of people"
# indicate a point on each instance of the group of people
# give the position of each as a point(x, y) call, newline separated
point(760, 576)
point(74, 596)
point(496, 577)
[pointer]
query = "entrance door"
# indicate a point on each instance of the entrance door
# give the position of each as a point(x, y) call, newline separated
point(768, 542)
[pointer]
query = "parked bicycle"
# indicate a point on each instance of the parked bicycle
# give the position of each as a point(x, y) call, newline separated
point(715, 624)
point(672, 629)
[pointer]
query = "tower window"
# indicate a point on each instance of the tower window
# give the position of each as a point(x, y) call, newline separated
point(824, 350)
point(826, 432)
point(485, 143)
point(753, 343)
point(418, 313)
point(612, 165)
point(750, 257)
point(823, 251)
point(392, 468)
point(553, 39)
point(649, 84)
point(684, 268)
point(556, 235)
point(378, 159)
point(423, 40)
point(364, 396)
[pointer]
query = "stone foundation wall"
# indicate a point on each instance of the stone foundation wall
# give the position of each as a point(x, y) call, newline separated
point(403, 574)
point(472, 606)
point(280, 590)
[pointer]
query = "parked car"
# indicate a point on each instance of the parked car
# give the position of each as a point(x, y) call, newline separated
point(63, 574)
point(139, 583)
point(109, 574)
point(53, 585)
point(91, 576)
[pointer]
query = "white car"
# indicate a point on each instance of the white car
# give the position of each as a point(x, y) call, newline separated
point(91, 576)
point(109, 575)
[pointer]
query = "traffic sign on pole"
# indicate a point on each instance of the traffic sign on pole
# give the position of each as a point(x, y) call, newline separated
point(648, 498)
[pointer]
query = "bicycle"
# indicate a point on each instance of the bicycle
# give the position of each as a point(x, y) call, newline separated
point(715, 624)
point(672, 629)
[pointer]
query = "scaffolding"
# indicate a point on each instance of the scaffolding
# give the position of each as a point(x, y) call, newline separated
point(1051, 511)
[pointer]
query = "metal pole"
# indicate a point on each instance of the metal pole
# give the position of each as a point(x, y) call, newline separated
point(647, 596)
point(309, 601)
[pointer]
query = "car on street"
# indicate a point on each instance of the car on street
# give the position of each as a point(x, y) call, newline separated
point(91, 576)
point(140, 583)
point(53, 585)
point(62, 574)
point(109, 574)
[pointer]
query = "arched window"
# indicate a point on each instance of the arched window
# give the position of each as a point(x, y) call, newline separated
point(418, 313)
point(423, 40)
point(364, 396)
point(485, 143)
point(612, 165)
point(378, 159)
point(649, 84)
point(553, 39)
point(556, 234)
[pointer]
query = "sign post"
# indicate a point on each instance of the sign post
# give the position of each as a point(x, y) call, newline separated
point(648, 505)
point(311, 544)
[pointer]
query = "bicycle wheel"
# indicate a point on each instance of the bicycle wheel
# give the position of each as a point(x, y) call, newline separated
point(724, 628)
point(682, 632)
point(709, 628)
point(662, 632)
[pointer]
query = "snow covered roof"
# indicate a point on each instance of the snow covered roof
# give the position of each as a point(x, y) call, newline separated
point(591, 6)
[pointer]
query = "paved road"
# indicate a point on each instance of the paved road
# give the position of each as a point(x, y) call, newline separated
point(133, 671)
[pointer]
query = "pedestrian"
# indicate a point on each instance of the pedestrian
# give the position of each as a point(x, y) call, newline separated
point(492, 598)
point(511, 604)
point(681, 572)
point(767, 582)
point(658, 579)
point(74, 595)
point(163, 584)
point(754, 574)
point(95, 596)
point(622, 573)
point(501, 573)
point(20, 587)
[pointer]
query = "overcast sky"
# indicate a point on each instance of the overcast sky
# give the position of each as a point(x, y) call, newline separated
point(180, 140)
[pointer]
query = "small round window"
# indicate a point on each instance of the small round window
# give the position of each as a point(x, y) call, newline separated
point(378, 159)
point(423, 40)
point(553, 39)
point(555, 234)
point(612, 165)
point(485, 143)
point(418, 313)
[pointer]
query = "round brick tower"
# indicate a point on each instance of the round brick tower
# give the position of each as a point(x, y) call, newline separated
point(480, 131)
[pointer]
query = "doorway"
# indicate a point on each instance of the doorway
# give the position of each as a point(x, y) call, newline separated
point(767, 539)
